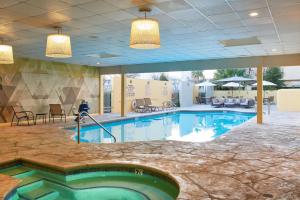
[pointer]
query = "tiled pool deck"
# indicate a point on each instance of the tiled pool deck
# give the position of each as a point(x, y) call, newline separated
point(250, 162)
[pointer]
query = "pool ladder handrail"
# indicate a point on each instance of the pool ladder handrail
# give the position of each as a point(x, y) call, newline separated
point(94, 120)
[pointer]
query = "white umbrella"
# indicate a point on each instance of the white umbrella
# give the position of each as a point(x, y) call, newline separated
point(232, 85)
point(265, 83)
point(235, 79)
point(205, 84)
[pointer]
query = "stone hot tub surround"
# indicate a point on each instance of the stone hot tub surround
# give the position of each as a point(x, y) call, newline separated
point(250, 162)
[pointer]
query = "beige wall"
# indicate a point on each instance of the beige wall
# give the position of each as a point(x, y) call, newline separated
point(247, 94)
point(158, 91)
point(288, 100)
point(35, 84)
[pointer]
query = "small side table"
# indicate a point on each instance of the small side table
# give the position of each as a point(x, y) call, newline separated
point(41, 115)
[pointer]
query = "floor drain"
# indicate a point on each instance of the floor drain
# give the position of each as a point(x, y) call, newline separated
point(268, 195)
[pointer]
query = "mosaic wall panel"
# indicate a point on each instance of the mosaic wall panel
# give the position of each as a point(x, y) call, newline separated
point(35, 84)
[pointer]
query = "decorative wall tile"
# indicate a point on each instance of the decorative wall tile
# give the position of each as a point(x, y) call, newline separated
point(34, 84)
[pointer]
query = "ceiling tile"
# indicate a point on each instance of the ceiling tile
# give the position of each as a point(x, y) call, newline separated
point(174, 5)
point(118, 15)
point(21, 10)
point(46, 20)
point(76, 2)
point(75, 12)
point(242, 5)
point(8, 3)
point(98, 7)
point(48, 5)
point(122, 4)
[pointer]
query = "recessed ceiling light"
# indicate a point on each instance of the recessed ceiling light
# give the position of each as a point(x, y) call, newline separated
point(274, 50)
point(253, 14)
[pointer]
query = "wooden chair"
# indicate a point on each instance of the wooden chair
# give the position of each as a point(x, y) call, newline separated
point(57, 112)
point(21, 114)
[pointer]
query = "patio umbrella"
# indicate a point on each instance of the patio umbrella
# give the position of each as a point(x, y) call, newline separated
point(265, 83)
point(205, 84)
point(235, 79)
point(232, 85)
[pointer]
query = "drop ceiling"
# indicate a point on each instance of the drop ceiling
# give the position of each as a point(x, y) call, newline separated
point(190, 29)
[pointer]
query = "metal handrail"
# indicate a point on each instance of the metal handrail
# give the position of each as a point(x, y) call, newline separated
point(87, 114)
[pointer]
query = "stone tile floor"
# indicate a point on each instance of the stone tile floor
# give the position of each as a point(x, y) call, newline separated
point(250, 162)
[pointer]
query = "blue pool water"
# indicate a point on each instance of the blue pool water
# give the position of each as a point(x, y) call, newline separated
point(180, 126)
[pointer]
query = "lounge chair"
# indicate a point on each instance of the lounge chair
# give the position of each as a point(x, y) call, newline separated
point(56, 112)
point(139, 106)
point(217, 102)
point(21, 114)
point(247, 103)
point(168, 105)
point(148, 104)
point(229, 102)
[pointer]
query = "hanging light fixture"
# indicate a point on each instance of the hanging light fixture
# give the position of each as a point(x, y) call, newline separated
point(6, 54)
point(58, 45)
point(144, 32)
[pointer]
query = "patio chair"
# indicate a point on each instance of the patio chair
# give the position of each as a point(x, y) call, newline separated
point(237, 101)
point(247, 103)
point(21, 114)
point(139, 106)
point(168, 105)
point(244, 103)
point(148, 104)
point(198, 100)
point(229, 102)
point(251, 103)
point(271, 99)
point(57, 112)
point(217, 103)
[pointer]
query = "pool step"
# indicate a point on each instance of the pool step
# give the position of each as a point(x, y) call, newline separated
point(40, 193)
point(29, 180)
point(14, 171)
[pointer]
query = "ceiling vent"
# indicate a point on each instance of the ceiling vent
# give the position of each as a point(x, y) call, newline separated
point(240, 42)
point(103, 55)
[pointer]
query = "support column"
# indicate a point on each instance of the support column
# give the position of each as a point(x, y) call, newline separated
point(259, 77)
point(123, 95)
point(101, 94)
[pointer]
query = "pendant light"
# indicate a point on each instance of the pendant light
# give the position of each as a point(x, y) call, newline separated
point(58, 45)
point(6, 54)
point(144, 32)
